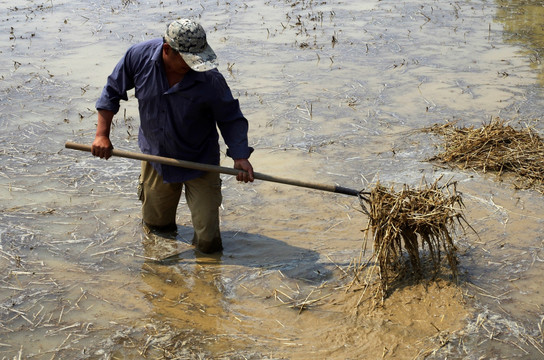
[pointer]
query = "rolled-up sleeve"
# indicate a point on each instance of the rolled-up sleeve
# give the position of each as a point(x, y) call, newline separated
point(117, 85)
point(230, 120)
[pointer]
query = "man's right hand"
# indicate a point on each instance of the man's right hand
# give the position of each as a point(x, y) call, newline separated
point(102, 147)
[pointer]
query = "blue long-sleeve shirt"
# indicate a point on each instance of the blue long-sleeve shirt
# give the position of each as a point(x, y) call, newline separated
point(179, 122)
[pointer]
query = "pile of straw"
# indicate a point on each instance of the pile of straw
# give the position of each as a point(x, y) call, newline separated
point(495, 147)
point(405, 222)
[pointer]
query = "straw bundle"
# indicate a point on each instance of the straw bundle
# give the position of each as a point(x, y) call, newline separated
point(495, 147)
point(409, 220)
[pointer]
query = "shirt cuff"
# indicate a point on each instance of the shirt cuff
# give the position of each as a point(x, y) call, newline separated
point(240, 154)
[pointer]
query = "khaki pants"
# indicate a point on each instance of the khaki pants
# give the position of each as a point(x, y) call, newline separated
point(160, 202)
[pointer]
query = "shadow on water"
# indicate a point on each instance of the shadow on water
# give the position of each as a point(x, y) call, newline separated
point(247, 260)
point(208, 301)
point(241, 249)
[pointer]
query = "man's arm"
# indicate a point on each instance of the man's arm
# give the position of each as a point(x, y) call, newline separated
point(102, 146)
point(233, 126)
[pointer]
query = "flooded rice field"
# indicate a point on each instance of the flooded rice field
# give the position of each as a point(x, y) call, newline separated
point(335, 92)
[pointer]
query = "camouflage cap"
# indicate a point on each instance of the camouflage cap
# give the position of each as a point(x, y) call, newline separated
point(189, 39)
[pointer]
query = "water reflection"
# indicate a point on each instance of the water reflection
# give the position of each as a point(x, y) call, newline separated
point(522, 21)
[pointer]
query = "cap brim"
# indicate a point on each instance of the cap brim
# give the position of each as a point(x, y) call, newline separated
point(203, 61)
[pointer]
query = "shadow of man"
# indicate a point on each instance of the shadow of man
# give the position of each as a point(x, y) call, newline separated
point(211, 293)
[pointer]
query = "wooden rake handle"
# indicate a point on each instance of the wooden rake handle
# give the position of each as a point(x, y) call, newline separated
point(219, 169)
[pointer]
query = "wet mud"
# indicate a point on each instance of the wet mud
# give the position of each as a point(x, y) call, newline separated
point(335, 92)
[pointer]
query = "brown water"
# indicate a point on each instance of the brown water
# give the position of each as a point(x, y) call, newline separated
point(333, 92)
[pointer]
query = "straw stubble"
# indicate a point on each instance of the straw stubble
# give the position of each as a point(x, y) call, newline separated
point(415, 224)
point(495, 147)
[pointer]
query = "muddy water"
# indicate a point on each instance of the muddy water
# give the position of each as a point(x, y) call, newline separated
point(333, 92)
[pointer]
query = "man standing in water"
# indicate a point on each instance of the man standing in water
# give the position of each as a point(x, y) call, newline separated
point(182, 100)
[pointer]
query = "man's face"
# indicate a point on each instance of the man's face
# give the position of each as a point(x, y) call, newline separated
point(173, 60)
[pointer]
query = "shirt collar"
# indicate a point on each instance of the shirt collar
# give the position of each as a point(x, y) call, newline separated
point(193, 76)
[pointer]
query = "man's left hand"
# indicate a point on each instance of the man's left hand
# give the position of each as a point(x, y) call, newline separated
point(247, 174)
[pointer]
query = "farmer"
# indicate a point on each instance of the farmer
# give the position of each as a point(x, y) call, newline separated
point(182, 100)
